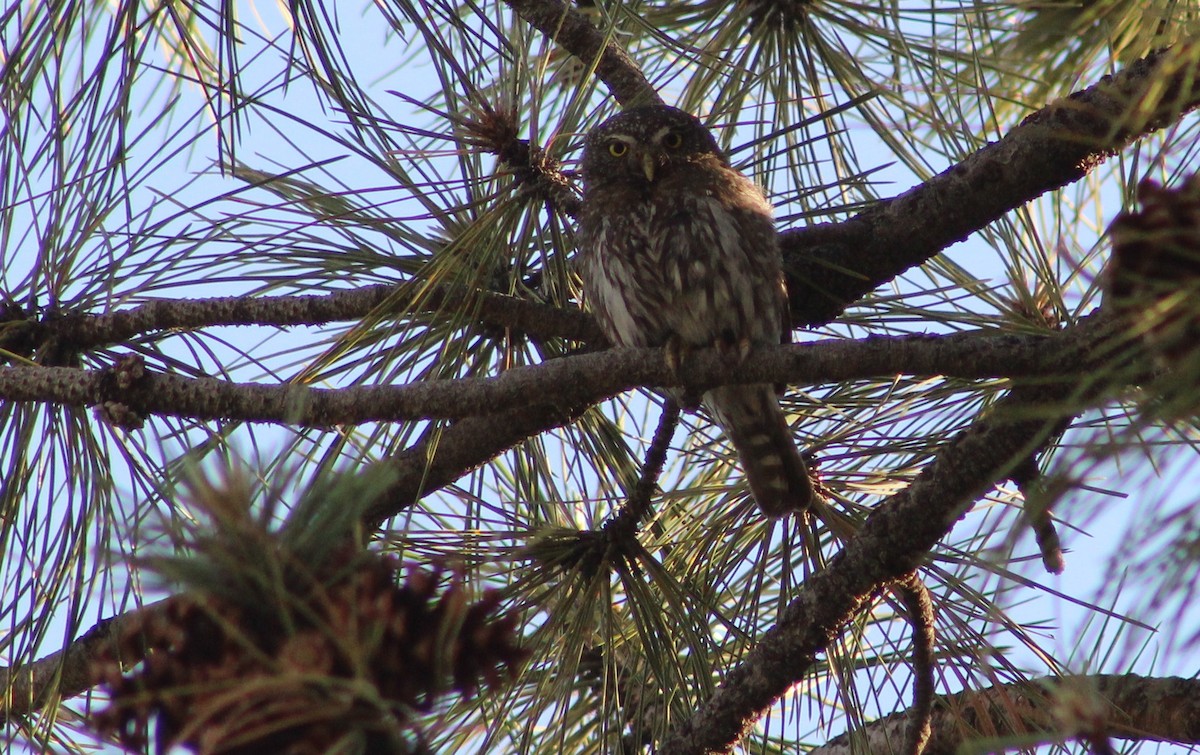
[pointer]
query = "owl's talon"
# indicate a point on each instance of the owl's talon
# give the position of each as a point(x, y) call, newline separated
point(676, 353)
point(734, 349)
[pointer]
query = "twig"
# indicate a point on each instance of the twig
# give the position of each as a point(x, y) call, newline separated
point(917, 603)
point(1028, 478)
point(633, 512)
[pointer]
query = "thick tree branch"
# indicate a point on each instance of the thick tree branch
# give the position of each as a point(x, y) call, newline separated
point(1131, 707)
point(571, 29)
point(832, 265)
point(829, 265)
point(893, 541)
point(445, 454)
point(585, 378)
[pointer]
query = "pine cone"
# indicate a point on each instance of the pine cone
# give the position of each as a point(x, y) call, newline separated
point(1154, 277)
point(223, 676)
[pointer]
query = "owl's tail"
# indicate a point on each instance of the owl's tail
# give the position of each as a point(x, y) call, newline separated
point(751, 417)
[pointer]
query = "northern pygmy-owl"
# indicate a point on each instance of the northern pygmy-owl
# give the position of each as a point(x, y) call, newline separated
point(678, 249)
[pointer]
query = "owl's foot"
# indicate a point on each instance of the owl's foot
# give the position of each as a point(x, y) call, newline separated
point(676, 352)
point(733, 349)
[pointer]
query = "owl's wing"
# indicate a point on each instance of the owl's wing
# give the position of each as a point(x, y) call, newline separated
point(785, 310)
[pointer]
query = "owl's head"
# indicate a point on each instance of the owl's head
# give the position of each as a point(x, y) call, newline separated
point(645, 144)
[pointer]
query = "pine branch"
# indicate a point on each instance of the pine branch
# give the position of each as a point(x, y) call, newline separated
point(832, 265)
point(81, 332)
point(636, 507)
point(893, 541)
point(443, 455)
point(1131, 707)
point(71, 670)
point(1027, 476)
point(580, 379)
point(829, 265)
point(919, 605)
point(571, 29)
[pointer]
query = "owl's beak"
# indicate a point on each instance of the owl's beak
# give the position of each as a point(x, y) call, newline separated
point(648, 165)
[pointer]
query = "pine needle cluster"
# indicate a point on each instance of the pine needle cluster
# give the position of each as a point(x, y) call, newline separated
point(312, 645)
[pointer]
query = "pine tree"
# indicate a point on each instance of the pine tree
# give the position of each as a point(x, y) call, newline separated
point(307, 443)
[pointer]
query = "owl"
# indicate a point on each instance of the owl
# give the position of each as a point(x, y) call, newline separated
point(678, 250)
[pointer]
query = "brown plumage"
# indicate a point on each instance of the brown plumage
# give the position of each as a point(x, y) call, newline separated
point(678, 249)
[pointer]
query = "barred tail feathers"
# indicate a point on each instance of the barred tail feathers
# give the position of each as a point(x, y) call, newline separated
point(751, 417)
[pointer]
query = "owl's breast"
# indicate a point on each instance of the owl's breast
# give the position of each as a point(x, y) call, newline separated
point(623, 275)
point(720, 258)
point(693, 258)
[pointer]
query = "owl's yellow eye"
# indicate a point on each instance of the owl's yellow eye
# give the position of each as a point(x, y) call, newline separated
point(618, 149)
point(672, 140)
